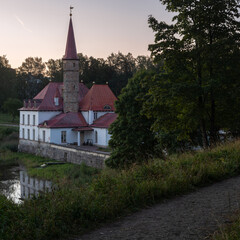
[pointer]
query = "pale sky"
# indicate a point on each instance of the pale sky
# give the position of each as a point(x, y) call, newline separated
point(38, 28)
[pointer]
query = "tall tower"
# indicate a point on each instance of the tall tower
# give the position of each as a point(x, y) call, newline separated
point(70, 73)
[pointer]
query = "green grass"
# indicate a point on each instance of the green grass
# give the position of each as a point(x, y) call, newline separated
point(73, 174)
point(103, 149)
point(6, 118)
point(8, 139)
point(230, 231)
point(76, 207)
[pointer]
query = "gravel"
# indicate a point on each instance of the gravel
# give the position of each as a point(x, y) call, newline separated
point(191, 216)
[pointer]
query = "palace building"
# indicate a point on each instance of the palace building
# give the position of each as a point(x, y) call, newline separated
point(69, 113)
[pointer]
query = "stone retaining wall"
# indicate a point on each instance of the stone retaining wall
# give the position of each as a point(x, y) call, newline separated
point(63, 153)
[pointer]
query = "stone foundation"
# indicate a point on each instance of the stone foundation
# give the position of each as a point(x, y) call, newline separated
point(63, 153)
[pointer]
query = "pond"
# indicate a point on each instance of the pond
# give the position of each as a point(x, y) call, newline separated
point(15, 184)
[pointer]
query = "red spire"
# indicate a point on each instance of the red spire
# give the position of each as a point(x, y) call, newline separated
point(71, 52)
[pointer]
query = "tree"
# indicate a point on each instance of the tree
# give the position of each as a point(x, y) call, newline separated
point(191, 96)
point(31, 78)
point(11, 106)
point(124, 67)
point(33, 66)
point(7, 80)
point(132, 140)
point(55, 70)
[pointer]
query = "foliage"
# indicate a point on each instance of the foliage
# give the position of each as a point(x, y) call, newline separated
point(230, 231)
point(55, 70)
point(31, 78)
point(114, 193)
point(11, 106)
point(190, 98)
point(7, 80)
point(8, 140)
point(132, 140)
point(116, 69)
point(6, 118)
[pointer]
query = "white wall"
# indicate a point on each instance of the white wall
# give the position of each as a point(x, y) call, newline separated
point(102, 137)
point(85, 115)
point(39, 118)
point(47, 134)
point(71, 136)
point(44, 116)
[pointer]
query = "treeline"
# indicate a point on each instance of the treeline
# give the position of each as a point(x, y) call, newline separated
point(193, 100)
point(30, 78)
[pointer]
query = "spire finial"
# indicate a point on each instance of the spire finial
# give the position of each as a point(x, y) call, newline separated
point(71, 8)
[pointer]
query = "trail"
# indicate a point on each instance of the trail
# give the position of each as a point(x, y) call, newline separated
point(190, 217)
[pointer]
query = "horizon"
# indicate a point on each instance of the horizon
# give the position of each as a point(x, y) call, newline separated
point(43, 33)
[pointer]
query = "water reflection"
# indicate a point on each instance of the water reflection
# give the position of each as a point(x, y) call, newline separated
point(32, 187)
point(16, 185)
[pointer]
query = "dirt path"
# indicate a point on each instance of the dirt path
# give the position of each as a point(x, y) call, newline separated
point(192, 216)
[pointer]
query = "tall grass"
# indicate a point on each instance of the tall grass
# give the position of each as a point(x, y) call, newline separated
point(8, 138)
point(77, 207)
point(6, 118)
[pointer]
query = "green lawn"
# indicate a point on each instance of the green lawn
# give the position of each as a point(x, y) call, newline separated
point(6, 118)
point(109, 194)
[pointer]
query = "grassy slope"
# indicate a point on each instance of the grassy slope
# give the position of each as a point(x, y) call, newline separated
point(76, 207)
point(6, 118)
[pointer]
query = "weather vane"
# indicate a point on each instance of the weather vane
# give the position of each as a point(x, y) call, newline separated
point(71, 8)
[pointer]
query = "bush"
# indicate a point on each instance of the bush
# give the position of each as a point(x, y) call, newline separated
point(113, 193)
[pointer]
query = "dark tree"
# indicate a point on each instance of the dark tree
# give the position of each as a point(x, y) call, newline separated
point(132, 140)
point(11, 106)
point(55, 70)
point(31, 78)
point(7, 80)
point(200, 83)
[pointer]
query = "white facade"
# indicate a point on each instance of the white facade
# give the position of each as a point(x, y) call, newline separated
point(29, 121)
point(101, 137)
point(56, 136)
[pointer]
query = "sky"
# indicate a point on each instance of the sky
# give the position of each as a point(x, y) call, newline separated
point(38, 28)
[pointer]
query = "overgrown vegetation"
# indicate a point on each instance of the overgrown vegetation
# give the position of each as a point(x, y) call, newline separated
point(229, 232)
point(6, 118)
point(8, 138)
point(113, 193)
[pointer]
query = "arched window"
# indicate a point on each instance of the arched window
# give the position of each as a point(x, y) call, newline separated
point(107, 107)
point(96, 137)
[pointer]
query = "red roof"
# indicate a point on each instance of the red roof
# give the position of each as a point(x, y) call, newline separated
point(98, 98)
point(65, 120)
point(80, 129)
point(105, 121)
point(44, 101)
point(71, 51)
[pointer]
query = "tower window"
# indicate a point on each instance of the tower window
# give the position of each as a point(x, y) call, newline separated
point(74, 64)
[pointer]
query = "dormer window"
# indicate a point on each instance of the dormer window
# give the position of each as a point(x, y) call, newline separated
point(107, 107)
point(56, 101)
